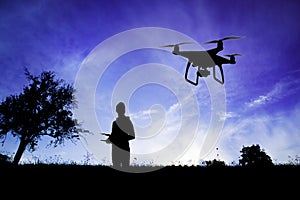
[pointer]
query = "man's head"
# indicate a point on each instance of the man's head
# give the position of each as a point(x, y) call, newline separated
point(120, 108)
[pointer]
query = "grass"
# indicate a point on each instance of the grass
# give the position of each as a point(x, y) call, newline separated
point(69, 170)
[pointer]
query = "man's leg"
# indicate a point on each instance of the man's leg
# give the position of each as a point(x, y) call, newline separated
point(125, 158)
point(116, 156)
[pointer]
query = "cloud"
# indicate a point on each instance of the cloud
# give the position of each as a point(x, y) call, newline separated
point(144, 114)
point(285, 87)
point(259, 101)
point(227, 115)
point(276, 133)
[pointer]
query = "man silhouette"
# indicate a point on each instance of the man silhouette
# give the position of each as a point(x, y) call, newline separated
point(122, 132)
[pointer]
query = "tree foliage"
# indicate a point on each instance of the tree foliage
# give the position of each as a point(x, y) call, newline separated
point(254, 156)
point(43, 108)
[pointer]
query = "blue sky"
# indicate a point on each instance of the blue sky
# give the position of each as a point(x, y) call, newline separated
point(259, 102)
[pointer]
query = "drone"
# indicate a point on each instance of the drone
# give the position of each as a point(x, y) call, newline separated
point(206, 59)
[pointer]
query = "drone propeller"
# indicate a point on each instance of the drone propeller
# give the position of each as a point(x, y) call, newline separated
point(225, 38)
point(173, 45)
point(235, 54)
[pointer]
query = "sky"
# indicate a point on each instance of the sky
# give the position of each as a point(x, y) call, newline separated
point(110, 51)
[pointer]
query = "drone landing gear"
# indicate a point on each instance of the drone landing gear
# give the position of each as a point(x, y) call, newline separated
point(186, 75)
point(205, 74)
point(222, 74)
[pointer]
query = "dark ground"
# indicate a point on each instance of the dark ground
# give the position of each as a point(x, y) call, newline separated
point(271, 181)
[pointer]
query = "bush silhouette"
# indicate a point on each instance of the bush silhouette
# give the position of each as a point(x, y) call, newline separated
point(215, 163)
point(254, 156)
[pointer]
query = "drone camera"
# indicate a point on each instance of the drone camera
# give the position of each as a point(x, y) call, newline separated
point(203, 73)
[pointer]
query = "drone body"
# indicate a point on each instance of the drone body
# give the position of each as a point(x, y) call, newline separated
point(206, 59)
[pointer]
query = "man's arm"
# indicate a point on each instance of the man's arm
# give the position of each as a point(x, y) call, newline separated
point(107, 140)
point(131, 134)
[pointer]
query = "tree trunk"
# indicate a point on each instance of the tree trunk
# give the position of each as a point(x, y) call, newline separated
point(20, 152)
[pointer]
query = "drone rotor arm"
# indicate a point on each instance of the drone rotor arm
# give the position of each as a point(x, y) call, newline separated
point(225, 38)
point(173, 45)
point(185, 43)
point(235, 54)
point(170, 45)
point(211, 42)
point(231, 37)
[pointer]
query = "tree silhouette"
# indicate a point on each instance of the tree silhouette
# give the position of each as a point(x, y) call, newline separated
point(254, 156)
point(44, 108)
point(4, 159)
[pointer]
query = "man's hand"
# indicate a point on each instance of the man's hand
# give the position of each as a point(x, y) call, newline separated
point(107, 141)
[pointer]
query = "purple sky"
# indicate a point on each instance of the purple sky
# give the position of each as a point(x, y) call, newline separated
point(262, 89)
